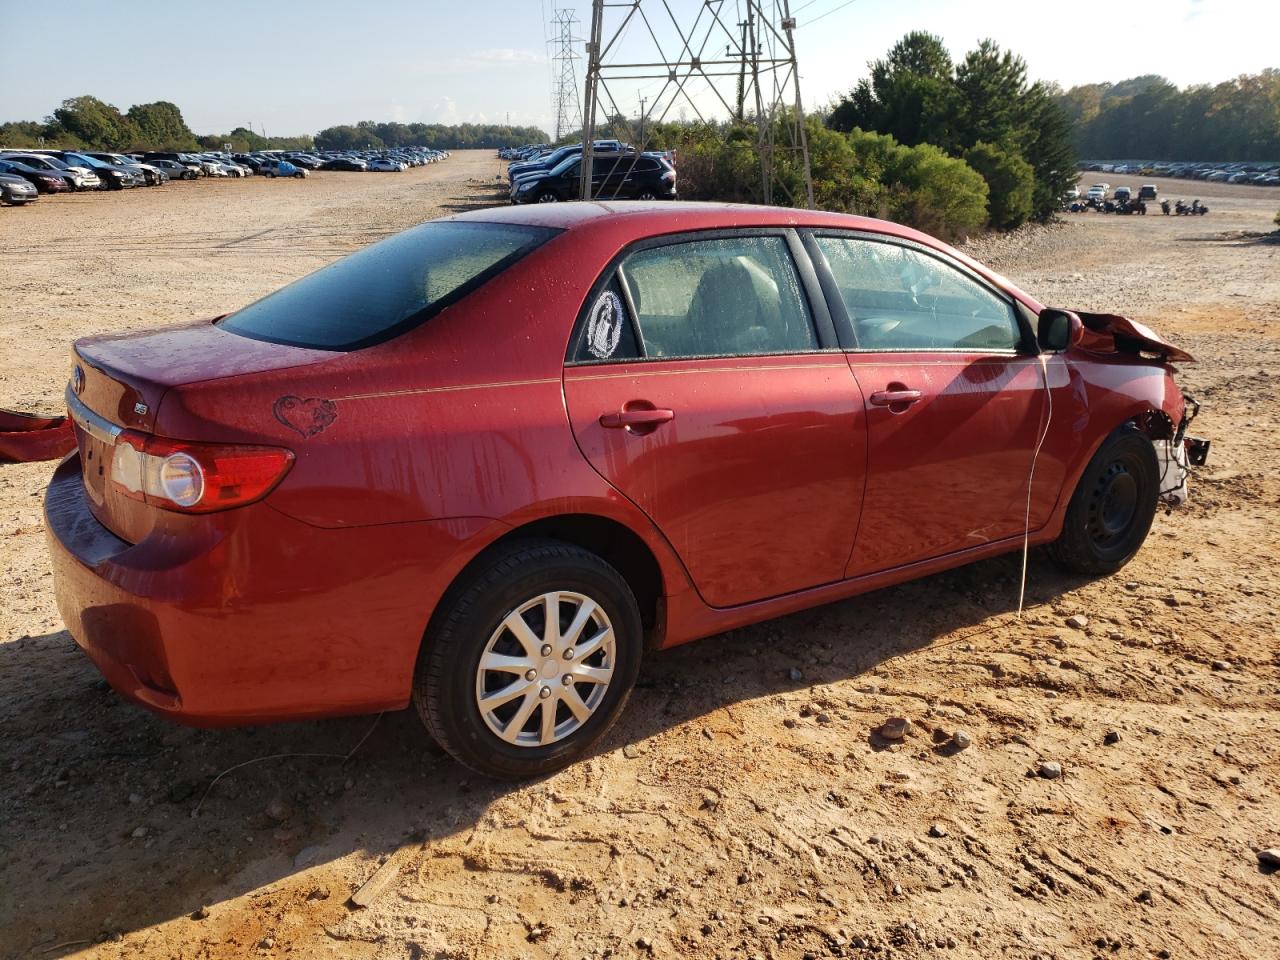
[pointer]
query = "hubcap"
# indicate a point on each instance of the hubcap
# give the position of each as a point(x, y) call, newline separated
point(548, 198)
point(546, 669)
point(1114, 505)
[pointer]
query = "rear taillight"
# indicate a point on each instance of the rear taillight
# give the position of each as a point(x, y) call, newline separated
point(195, 477)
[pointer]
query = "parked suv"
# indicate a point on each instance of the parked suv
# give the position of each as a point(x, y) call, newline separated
point(615, 176)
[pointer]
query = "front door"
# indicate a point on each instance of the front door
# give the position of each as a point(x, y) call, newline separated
point(699, 388)
point(955, 405)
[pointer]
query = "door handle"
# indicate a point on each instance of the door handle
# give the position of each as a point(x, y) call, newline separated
point(642, 417)
point(890, 398)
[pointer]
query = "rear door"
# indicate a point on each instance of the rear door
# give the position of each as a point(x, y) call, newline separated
point(705, 383)
point(955, 401)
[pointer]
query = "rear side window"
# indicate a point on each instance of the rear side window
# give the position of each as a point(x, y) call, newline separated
point(387, 288)
point(738, 296)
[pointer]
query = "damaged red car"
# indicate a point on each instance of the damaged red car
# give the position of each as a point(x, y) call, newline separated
point(484, 465)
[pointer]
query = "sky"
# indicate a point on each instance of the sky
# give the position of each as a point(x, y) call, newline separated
point(297, 66)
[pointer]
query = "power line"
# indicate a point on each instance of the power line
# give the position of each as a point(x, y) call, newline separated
point(829, 12)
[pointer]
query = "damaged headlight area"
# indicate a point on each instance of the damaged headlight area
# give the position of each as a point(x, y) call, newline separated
point(1177, 454)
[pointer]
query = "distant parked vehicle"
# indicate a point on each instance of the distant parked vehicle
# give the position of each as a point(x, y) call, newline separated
point(16, 191)
point(1122, 195)
point(151, 176)
point(384, 165)
point(44, 181)
point(176, 170)
point(345, 163)
point(79, 177)
point(281, 168)
point(113, 177)
point(1148, 191)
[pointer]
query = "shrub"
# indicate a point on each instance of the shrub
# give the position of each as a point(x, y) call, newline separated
point(1010, 183)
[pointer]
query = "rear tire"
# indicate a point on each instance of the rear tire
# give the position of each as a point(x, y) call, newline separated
point(1113, 505)
point(497, 614)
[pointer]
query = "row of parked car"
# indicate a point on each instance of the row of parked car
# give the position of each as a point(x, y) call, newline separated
point(27, 173)
point(1264, 174)
point(543, 174)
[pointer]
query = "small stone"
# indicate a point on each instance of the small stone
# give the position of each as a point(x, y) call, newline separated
point(279, 811)
point(1112, 737)
point(200, 913)
point(1270, 857)
point(631, 751)
point(1220, 665)
point(1144, 897)
point(1171, 600)
point(824, 718)
point(644, 943)
point(961, 740)
point(795, 673)
point(135, 798)
point(897, 889)
point(789, 723)
point(1050, 770)
point(937, 830)
point(895, 728)
point(266, 943)
point(1077, 622)
point(138, 833)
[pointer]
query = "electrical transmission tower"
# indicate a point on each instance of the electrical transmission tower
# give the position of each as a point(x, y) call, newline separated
point(568, 108)
point(642, 47)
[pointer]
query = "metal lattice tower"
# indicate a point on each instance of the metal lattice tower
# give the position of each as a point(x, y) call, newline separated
point(676, 60)
point(564, 58)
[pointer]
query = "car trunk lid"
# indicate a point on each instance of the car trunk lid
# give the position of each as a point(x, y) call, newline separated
point(118, 383)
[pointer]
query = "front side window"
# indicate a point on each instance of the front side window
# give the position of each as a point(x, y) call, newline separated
point(737, 296)
point(381, 291)
point(898, 298)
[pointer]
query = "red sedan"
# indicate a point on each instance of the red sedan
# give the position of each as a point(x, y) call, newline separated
point(484, 464)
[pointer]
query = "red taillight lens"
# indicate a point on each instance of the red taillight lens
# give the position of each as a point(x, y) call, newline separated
point(195, 477)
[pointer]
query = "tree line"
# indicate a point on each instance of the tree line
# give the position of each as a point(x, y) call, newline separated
point(1149, 118)
point(93, 124)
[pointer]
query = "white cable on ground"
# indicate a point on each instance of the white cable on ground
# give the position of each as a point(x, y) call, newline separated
point(1026, 526)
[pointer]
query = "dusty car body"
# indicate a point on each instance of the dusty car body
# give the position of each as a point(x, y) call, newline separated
point(271, 518)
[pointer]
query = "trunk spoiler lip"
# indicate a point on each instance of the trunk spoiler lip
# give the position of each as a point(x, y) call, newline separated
point(1106, 332)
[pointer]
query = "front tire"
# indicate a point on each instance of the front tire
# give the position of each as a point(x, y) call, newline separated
point(1113, 505)
point(529, 659)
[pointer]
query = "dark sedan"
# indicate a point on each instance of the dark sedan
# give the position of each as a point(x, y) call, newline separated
point(45, 181)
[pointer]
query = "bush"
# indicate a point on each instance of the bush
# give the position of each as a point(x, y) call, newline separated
point(1010, 183)
point(923, 187)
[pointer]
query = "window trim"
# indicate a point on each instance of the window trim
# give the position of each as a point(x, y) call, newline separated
point(814, 298)
point(844, 324)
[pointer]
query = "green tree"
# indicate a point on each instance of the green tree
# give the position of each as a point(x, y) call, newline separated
point(94, 124)
point(1010, 183)
point(909, 95)
point(159, 126)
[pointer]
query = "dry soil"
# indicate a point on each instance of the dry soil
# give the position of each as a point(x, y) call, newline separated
point(742, 807)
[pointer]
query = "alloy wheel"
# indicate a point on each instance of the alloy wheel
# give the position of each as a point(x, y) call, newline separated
point(545, 669)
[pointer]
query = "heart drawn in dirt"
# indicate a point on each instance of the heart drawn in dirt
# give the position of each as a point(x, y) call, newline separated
point(308, 417)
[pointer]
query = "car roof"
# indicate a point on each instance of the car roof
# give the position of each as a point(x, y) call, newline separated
point(618, 223)
point(653, 218)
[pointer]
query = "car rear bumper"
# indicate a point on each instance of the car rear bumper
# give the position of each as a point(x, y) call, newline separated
point(256, 616)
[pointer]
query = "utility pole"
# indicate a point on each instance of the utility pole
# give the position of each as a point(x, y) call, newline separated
point(590, 98)
point(566, 107)
point(684, 54)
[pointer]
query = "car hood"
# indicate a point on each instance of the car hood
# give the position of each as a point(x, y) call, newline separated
point(1112, 333)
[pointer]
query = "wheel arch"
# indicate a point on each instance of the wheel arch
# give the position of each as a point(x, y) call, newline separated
point(610, 539)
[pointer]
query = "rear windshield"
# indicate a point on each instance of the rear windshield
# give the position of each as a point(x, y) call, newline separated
point(379, 292)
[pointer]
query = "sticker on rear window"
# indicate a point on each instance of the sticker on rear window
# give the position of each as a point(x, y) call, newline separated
point(604, 325)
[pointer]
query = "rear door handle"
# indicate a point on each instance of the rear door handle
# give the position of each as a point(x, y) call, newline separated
point(636, 418)
point(888, 398)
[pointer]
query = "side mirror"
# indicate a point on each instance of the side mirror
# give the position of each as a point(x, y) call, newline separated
point(1056, 330)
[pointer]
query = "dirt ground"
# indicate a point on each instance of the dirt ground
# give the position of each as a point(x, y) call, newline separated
point(742, 808)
